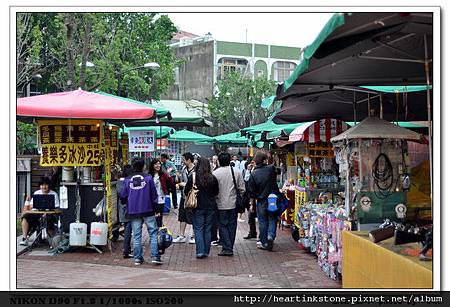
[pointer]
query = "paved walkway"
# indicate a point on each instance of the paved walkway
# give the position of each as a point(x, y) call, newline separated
point(286, 267)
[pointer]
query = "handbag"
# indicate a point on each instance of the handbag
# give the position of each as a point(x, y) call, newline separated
point(240, 206)
point(191, 199)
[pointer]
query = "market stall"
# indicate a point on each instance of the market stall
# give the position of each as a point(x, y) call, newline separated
point(373, 163)
point(73, 133)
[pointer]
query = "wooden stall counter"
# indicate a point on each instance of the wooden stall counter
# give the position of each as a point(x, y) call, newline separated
point(382, 265)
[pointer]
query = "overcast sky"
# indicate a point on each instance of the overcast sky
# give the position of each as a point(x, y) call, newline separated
point(285, 29)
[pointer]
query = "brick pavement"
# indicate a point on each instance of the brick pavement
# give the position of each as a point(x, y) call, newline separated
point(286, 267)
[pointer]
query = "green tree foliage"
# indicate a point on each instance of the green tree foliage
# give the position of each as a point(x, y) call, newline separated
point(117, 43)
point(236, 103)
point(25, 138)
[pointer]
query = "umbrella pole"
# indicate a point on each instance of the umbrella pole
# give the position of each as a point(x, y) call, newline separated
point(368, 105)
point(354, 108)
point(430, 129)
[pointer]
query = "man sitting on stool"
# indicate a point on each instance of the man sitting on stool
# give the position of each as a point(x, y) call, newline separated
point(31, 221)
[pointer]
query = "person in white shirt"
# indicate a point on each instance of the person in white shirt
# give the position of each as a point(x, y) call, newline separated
point(236, 164)
point(226, 202)
point(32, 220)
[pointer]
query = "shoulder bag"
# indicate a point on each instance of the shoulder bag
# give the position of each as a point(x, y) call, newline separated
point(191, 199)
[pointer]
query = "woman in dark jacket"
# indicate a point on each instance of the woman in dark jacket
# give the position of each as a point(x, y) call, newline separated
point(208, 189)
point(163, 182)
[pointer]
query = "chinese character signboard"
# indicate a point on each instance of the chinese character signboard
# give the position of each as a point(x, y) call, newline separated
point(112, 140)
point(124, 146)
point(324, 150)
point(70, 143)
point(141, 141)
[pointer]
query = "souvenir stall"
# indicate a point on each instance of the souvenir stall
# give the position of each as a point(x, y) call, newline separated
point(86, 146)
point(315, 204)
point(373, 161)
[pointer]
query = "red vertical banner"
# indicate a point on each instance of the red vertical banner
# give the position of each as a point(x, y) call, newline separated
point(317, 131)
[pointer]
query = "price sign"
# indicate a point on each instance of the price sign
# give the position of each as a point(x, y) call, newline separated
point(70, 142)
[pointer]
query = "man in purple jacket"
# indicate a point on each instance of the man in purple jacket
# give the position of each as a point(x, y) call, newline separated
point(141, 197)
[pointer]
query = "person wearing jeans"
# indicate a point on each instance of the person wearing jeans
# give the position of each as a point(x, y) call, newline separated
point(263, 182)
point(227, 230)
point(152, 227)
point(202, 219)
point(140, 195)
point(267, 222)
point(226, 202)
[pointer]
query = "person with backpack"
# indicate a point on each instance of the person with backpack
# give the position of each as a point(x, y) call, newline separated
point(262, 183)
point(231, 184)
point(207, 189)
point(139, 193)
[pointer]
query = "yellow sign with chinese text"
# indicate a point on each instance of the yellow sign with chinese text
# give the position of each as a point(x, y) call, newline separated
point(300, 200)
point(71, 155)
point(70, 142)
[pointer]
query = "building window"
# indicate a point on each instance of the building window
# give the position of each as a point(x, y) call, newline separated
point(226, 65)
point(282, 70)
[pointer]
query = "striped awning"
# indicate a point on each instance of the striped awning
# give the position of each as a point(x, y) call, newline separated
point(318, 131)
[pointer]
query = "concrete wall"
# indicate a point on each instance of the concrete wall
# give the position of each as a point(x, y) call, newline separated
point(195, 74)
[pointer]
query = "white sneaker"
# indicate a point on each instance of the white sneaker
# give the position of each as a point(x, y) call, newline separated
point(192, 240)
point(258, 243)
point(179, 239)
point(24, 242)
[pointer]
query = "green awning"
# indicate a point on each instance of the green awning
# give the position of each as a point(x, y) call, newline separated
point(271, 127)
point(231, 138)
point(188, 111)
point(160, 111)
point(160, 131)
point(398, 88)
point(400, 124)
point(267, 102)
point(336, 21)
point(190, 136)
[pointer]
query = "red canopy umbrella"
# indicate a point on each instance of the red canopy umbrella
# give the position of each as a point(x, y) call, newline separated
point(81, 104)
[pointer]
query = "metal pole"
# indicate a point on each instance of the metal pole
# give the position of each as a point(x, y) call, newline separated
point(381, 106)
point(430, 128)
point(354, 108)
point(160, 140)
point(368, 105)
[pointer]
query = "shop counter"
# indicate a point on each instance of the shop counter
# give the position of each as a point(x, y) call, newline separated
point(382, 265)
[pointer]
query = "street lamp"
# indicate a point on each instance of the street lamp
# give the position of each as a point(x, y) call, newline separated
point(28, 84)
point(152, 65)
point(88, 64)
